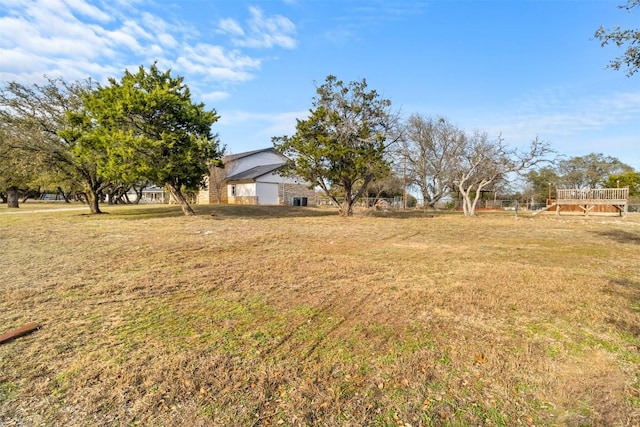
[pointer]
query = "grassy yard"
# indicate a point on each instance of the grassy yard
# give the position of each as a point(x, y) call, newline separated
point(248, 316)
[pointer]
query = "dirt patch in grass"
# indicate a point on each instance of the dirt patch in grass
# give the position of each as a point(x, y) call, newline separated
point(281, 316)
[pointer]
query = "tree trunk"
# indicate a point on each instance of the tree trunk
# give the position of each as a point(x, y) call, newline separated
point(64, 195)
point(35, 194)
point(93, 200)
point(347, 208)
point(425, 199)
point(475, 201)
point(12, 197)
point(179, 197)
point(138, 194)
point(467, 206)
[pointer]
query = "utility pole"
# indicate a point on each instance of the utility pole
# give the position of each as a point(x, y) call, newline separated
point(404, 182)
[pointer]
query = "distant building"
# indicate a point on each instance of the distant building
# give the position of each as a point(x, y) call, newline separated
point(150, 194)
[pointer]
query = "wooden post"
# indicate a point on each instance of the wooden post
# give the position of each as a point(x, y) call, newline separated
point(16, 333)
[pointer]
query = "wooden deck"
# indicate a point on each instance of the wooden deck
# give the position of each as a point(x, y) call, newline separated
point(586, 200)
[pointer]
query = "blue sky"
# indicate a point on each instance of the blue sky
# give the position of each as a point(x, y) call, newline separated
point(517, 68)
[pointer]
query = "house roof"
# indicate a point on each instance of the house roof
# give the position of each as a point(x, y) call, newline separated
point(256, 172)
point(231, 157)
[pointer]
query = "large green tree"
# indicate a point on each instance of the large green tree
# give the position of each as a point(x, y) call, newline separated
point(629, 179)
point(542, 183)
point(589, 171)
point(37, 118)
point(150, 129)
point(621, 37)
point(16, 172)
point(341, 146)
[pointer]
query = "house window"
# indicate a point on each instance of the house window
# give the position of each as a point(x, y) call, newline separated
point(233, 190)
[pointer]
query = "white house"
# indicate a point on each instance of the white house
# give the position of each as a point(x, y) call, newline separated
point(253, 178)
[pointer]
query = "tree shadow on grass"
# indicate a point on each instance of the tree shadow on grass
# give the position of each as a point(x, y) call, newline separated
point(621, 236)
point(219, 212)
point(263, 212)
point(138, 212)
point(149, 212)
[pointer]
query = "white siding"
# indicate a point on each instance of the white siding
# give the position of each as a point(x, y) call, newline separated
point(242, 190)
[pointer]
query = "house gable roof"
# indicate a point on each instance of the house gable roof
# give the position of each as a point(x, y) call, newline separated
point(232, 157)
point(255, 172)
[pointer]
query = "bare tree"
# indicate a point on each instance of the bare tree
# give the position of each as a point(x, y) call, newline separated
point(219, 171)
point(217, 182)
point(628, 38)
point(481, 162)
point(429, 149)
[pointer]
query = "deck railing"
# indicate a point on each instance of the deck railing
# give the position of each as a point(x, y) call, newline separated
point(612, 196)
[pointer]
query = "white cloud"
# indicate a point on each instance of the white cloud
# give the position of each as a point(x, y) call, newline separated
point(263, 31)
point(556, 115)
point(214, 96)
point(212, 72)
point(215, 63)
point(88, 10)
point(77, 39)
point(284, 123)
point(167, 40)
point(339, 36)
point(271, 124)
point(123, 38)
point(211, 54)
point(230, 26)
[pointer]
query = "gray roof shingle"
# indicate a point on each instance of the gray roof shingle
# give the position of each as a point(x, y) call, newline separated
point(256, 172)
point(231, 157)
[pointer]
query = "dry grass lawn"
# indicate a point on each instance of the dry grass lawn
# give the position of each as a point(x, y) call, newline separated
point(296, 317)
